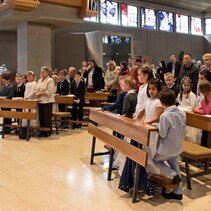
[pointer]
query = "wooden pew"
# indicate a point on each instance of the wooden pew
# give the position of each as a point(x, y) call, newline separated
point(62, 99)
point(193, 151)
point(128, 127)
point(29, 112)
point(102, 96)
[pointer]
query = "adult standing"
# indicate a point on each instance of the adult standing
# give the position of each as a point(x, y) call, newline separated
point(45, 95)
point(190, 70)
point(111, 79)
point(174, 66)
point(207, 62)
point(94, 75)
point(162, 70)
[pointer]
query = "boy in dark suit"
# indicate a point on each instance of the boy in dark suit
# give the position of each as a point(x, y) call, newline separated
point(19, 87)
point(78, 88)
point(7, 91)
point(170, 83)
point(63, 89)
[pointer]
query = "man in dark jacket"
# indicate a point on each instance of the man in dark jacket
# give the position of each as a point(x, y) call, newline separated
point(190, 70)
point(174, 67)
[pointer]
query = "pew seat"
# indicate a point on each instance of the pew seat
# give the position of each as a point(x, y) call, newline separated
point(193, 151)
point(58, 115)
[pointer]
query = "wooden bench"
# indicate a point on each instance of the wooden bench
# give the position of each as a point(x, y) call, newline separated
point(97, 96)
point(62, 99)
point(193, 151)
point(128, 127)
point(28, 112)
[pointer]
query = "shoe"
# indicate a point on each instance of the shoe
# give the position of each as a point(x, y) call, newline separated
point(47, 134)
point(79, 125)
point(172, 195)
point(40, 135)
point(150, 191)
point(176, 180)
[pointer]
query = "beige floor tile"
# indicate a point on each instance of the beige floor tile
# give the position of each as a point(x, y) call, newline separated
point(55, 174)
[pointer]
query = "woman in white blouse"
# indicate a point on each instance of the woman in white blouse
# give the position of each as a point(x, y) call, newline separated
point(111, 78)
point(45, 95)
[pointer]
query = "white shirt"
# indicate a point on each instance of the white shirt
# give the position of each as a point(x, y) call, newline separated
point(187, 101)
point(30, 90)
point(90, 75)
point(141, 99)
point(151, 105)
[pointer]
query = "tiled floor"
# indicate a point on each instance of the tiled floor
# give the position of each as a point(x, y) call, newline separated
point(54, 174)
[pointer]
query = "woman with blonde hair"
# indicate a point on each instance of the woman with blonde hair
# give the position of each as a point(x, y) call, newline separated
point(207, 62)
point(111, 79)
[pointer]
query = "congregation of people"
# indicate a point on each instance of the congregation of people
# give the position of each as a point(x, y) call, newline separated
point(157, 96)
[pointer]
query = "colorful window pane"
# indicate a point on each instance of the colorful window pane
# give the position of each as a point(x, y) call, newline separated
point(166, 21)
point(196, 26)
point(148, 18)
point(207, 26)
point(109, 12)
point(129, 15)
point(181, 23)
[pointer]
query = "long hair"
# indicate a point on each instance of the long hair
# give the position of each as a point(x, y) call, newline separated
point(125, 67)
point(205, 89)
point(147, 71)
point(185, 79)
point(157, 83)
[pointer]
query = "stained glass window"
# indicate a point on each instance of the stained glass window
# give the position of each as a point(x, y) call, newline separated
point(148, 18)
point(166, 21)
point(109, 12)
point(129, 15)
point(196, 26)
point(181, 23)
point(207, 26)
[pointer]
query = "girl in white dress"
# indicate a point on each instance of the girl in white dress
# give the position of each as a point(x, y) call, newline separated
point(187, 101)
point(152, 114)
point(31, 87)
point(186, 98)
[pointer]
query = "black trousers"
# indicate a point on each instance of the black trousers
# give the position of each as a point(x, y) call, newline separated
point(77, 111)
point(45, 115)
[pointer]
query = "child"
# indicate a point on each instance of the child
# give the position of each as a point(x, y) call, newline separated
point(171, 131)
point(205, 89)
point(152, 114)
point(130, 100)
point(78, 88)
point(204, 108)
point(187, 101)
point(170, 82)
point(63, 88)
point(19, 87)
point(186, 98)
point(144, 75)
point(31, 88)
point(7, 91)
point(126, 183)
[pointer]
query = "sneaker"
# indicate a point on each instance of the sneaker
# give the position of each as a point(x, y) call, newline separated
point(172, 195)
point(176, 180)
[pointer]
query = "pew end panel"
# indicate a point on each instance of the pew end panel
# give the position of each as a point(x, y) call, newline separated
point(193, 151)
point(27, 112)
point(57, 115)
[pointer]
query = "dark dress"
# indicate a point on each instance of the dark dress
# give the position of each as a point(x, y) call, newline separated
point(127, 177)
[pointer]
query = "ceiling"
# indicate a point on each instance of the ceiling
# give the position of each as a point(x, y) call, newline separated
point(202, 6)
